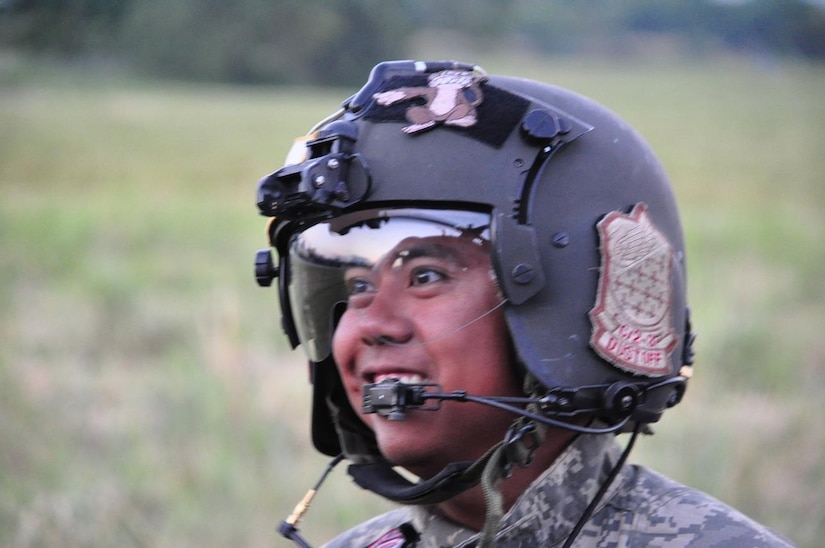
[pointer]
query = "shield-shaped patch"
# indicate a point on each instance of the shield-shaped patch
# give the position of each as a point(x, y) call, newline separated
point(632, 318)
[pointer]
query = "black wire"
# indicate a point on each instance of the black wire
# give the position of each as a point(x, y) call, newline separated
point(499, 402)
point(603, 489)
point(288, 527)
point(523, 412)
point(333, 463)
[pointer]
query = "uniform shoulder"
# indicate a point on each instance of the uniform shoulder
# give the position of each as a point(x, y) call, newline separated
point(664, 508)
point(371, 530)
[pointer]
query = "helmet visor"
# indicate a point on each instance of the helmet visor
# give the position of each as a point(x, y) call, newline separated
point(323, 257)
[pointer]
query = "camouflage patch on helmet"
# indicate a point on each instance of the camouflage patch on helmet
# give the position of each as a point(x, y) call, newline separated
point(450, 98)
point(632, 318)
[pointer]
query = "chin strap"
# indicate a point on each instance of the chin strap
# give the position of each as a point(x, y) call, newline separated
point(493, 501)
point(382, 479)
point(517, 449)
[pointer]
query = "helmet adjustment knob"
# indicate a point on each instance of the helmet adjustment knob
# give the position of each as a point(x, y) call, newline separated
point(621, 398)
point(542, 125)
point(265, 269)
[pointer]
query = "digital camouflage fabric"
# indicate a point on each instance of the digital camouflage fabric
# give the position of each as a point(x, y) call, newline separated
point(641, 508)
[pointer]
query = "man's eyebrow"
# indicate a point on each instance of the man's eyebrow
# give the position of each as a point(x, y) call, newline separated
point(425, 249)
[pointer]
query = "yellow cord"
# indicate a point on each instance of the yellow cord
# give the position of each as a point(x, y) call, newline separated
point(301, 508)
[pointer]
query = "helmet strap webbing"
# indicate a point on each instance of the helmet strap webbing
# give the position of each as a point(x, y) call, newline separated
point(380, 478)
point(493, 501)
point(514, 450)
point(455, 478)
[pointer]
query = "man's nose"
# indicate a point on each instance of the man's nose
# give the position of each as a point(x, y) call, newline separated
point(382, 319)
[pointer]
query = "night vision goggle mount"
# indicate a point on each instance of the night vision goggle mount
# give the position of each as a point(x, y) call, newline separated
point(331, 177)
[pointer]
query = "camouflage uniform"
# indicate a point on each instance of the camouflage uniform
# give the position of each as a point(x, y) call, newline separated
point(641, 508)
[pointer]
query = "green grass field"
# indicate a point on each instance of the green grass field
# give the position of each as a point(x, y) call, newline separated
point(148, 399)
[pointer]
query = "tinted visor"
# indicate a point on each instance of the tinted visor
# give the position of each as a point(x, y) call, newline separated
point(321, 255)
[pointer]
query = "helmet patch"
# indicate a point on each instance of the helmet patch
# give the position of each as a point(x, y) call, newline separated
point(632, 317)
point(456, 99)
point(450, 98)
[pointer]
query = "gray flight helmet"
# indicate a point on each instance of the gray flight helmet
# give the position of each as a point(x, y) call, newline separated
point(586, 238)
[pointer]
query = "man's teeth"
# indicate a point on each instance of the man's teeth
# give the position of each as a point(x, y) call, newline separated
point(406, 379)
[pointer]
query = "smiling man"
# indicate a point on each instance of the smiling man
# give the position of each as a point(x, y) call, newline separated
point(487, 305)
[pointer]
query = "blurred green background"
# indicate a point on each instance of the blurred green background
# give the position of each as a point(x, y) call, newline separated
point(147, 397)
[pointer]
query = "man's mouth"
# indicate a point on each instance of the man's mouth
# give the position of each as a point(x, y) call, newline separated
point(406, 378)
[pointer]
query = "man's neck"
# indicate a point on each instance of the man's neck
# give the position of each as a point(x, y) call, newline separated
point(469, 508)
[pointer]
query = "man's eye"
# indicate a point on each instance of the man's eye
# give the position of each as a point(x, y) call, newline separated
point(423, 276)
point(357, 286)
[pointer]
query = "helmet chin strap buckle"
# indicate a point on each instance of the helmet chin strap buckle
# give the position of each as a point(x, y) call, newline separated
point(520, 444)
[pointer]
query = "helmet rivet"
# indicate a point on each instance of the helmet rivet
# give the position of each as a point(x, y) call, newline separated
point(561, 239)
point(342, 192)
point(333, 163)
point(319, 181)
point(523, 274)
point(518, 162)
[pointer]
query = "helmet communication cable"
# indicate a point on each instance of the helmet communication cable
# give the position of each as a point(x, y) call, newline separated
point(588, 512)
point(289, 527)
point(391, 398)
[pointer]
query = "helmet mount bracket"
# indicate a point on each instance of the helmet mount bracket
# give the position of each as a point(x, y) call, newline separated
point(332, 178)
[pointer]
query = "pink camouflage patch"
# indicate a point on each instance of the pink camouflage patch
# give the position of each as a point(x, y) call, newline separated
point(632, 317)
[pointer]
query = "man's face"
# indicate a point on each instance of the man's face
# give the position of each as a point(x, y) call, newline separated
point(428, 311)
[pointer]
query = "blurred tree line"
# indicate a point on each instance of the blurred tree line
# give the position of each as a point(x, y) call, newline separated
point(336, 41)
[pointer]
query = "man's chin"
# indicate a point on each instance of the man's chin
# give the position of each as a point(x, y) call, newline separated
point(409, 446)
